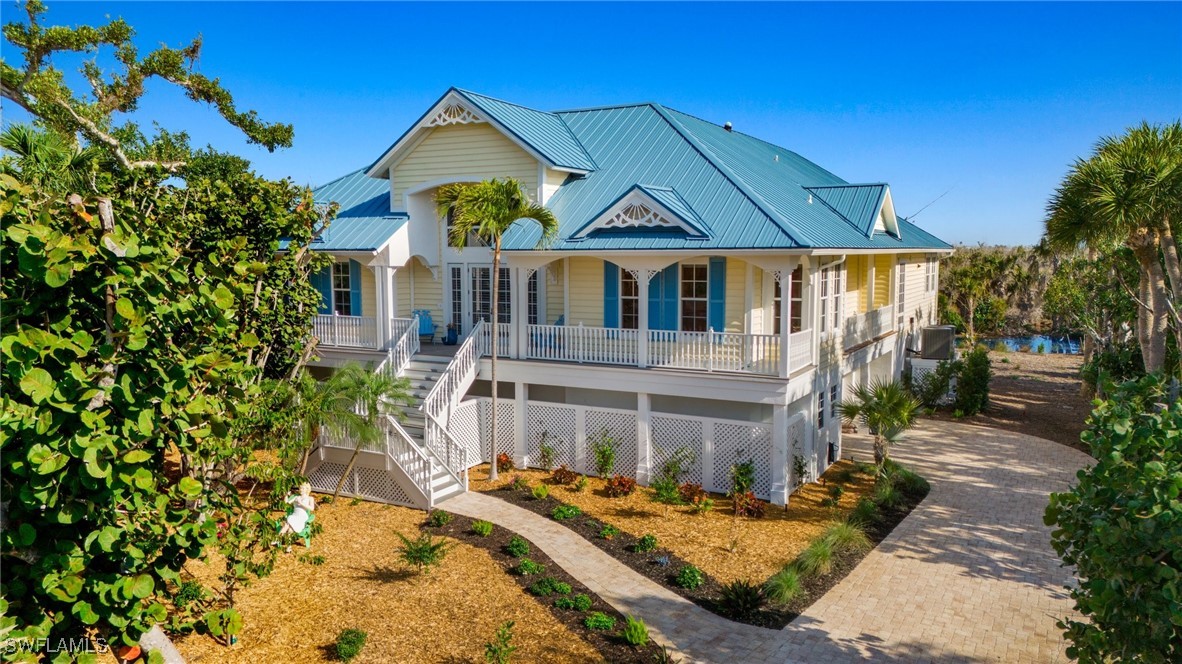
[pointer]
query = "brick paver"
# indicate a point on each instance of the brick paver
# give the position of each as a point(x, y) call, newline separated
point(968, 576)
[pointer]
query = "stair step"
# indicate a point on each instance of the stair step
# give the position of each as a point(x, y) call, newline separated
point(431, 359)
point(447, 492)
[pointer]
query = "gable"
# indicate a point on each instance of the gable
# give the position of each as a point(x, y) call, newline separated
point(644, 210)
point(457, 150)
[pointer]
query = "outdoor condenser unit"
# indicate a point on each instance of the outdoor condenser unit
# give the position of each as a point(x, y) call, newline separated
point(938, 342)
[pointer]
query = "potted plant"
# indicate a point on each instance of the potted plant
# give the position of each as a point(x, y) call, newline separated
point(453, 335)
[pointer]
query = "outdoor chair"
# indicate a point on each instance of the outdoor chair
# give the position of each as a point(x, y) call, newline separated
point(427, 327)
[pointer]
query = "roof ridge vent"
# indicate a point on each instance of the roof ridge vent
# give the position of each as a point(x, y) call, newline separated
point(728, 126)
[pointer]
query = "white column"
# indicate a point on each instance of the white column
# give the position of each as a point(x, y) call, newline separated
point(749, 301)
point(516, 311)
point(871, 305)
point(566, 291)
point(642, 277)
point(781, 458)
point(644, 453)
point(391, 293)
point(520, 408)
point(710, 475)
point(381, 328)
point(812, 287)
point(785, 278)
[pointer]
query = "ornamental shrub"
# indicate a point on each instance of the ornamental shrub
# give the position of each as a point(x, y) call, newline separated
point(349, 644)
point(599, 621)
point(517, 547)
point(689, 577)
point(424, 552)
point(504, 462)
point(743, 598)
point(541, 492)
point(564, 512)
point(635, 632)
point(972, 385)
point(499, 650)
point(620, 486)
point(646, 543)
point(746, 504)
point(528, 567)
point(439, 518)
point(1120, 529)
point(563, 475)
point(603, 449)
point(482, 528)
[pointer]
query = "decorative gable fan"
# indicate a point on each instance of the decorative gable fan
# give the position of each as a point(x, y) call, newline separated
point(646, 208)
point(453, 114)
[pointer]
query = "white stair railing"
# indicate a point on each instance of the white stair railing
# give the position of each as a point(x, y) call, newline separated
point(442, 398)
point(402, 450)
point(403, 349)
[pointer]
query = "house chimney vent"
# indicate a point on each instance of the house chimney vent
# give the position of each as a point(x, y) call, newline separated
point(728, 126)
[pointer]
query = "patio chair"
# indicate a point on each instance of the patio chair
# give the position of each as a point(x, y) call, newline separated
point(427, 327)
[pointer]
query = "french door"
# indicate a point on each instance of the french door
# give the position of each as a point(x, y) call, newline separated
point(470, 295)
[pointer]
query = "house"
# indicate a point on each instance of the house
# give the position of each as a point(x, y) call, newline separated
point(707, 290)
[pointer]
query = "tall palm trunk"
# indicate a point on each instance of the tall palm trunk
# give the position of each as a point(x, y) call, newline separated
point(880, 449)
point(496, 303)
point(1152, 318)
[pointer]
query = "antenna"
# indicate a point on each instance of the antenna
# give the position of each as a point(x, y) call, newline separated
point(913, 216)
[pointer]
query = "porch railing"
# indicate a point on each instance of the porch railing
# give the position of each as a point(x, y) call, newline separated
point(441, 399)
point(503, 338)
point(403, 347)
point(701, 351)
point(870, 325)
point(349, 331)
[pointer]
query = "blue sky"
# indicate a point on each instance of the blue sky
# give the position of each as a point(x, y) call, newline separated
point(989, 101)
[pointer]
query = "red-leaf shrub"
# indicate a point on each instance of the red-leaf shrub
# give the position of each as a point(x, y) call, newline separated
point(746, 504)
point(564, 475)
point(620, 485)
point(504, 462)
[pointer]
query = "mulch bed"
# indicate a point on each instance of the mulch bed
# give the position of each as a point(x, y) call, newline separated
point(608, 643)
point(661, 566)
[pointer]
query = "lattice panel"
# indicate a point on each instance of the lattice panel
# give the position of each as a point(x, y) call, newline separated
point(735, 443)
point(324, 477)
point(796, 433)
point(505, 431)
point(558, 423)
point(466, 428)
point(621, 426)
point(669, 434)
point(377, 484)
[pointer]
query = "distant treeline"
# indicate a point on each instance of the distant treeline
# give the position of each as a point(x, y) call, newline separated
point(996, 290)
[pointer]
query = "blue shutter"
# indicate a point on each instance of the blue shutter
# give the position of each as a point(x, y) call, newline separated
point(654, 301)
point(354, 288)
point(669, 297)
point(322, 282)
point(716, 295)
point(611, 295)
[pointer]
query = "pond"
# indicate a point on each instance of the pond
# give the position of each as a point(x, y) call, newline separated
point(1036, 343)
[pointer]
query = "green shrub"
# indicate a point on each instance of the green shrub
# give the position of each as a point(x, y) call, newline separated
point(635, 632)
point(580, 602)
point(689, 577)
point(742, 598)
point(784, 586)
point(564, 512)
point(482, 528)
point(499, 650)
point(528, 567)
point(439, 518)
point(845, 536)
point(424, 552)
point(517, 547)
point(972, 385)
point(645, 543)
point(603, 450)
point(541, 492)
point(547, 586)
point(608, 531)
point(313, 560)
point(666, 492)
point(187, 593)
point(676, 464)
point(843, 476)
point(702, 506)
point(1120, 529)
point(931, 387)
point(887, 495)
point(817, 559)
point(910, 483)
point(599, 621)
point(546, 454)
point(349, 644)
point(865, 513)
point(742, 477)
point(581, 484)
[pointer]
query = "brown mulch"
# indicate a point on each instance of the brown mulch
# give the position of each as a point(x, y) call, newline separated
point(662, 565)
point(609, 644)
point(1036, 394)
point(751, 549)
point(447, 615)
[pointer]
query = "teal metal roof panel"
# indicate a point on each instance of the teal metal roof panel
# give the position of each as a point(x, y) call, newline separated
point(364, 221)
point(544, 132)
point(859, 204)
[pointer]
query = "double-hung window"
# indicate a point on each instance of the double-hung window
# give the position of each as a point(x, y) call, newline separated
point(342, 293)
point(694, 296)
point(796, 300)
point(831, 292)
point(629, 301)
point(821, 409)
point(930, 282)
point(900, 292)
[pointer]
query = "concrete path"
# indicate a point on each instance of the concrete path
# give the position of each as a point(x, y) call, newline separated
point(968, 576)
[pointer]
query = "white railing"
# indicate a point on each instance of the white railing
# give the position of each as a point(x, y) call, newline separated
point(350, 331)
point(400, 326)
point(442, 397)
point(800, 349)
point(503, 331)
point(870, 325)
point(597, 345)
point(700, 351)
point(405, 345)
point(402, 450)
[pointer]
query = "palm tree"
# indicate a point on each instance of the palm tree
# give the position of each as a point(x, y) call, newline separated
point(1129, 193)
point(886, 407)
point(47, 161)
point(487, 210)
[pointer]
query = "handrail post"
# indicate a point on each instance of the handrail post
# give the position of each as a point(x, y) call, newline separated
point(710, 349)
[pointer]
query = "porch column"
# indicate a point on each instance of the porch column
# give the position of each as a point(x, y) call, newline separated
point(521, 318)
point(814, 299)
point(870, 303)
point(784, 278)
point(379, 307)
point(391, 298)
point(642, 277)
point(780, 456)
point(520, 407)
point(644, 453)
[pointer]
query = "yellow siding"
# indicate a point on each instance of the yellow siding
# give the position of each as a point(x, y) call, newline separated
point(553, 180)
point(554, 291)
point(369, 297)
point(736, 299)
point(472, 150)
point(883, 265)
point(428, 293)
point(586, 292)
point(402, 286)
point(757, 302)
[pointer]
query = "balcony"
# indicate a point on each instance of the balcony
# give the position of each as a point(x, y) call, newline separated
point(362, 332)
point(861, 328)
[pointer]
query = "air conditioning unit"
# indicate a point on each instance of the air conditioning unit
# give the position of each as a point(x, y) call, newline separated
point(938, 343)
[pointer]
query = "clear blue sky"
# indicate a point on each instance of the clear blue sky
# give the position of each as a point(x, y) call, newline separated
point(992, 101)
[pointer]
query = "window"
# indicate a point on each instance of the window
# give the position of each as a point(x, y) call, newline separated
point(482, 295)
point(831, 293)
point(457, 295)
point(629, 301)
point(531, 297)
point(821, 410)
point(931, 277)
point(900, 291)
point(342, 293)
point(834, 400)
point(694, 302)
point(796, 301)
point(474, 240)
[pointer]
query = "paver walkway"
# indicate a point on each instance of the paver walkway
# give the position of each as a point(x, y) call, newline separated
point(968, 576)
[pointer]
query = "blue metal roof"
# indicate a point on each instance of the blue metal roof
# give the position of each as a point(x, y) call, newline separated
point(544, 132)
point(858, 204)
point(364, 222)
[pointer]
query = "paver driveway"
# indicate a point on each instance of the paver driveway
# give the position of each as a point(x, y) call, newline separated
point(968, 576)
